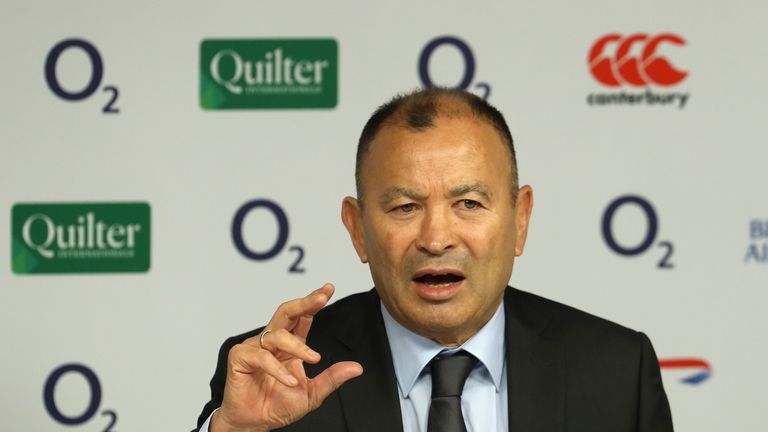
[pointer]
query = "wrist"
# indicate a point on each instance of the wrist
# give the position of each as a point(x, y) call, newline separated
point(219, 423)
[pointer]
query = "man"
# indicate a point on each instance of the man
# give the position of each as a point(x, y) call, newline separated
point(441, 343)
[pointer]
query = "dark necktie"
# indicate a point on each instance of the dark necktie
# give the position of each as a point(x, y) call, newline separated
point(448, 377)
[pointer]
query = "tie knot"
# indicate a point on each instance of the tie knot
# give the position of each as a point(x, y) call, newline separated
point(450, 373)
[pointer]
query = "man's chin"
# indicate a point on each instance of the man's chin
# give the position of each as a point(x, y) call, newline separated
point(443, 327)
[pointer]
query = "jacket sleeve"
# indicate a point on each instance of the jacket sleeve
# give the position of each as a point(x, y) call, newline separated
point(220, 376)
point(654, 414)
point(217, 383)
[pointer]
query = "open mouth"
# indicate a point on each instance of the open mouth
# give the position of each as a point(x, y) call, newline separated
point(439, 280)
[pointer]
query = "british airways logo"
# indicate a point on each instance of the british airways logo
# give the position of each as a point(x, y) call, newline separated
point(757, 249)
point(696, 370)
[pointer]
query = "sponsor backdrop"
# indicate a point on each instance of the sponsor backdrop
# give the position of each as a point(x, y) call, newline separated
point(172, 171)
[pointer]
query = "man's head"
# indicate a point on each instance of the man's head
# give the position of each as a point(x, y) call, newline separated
point(439, 216)
point(417, 111)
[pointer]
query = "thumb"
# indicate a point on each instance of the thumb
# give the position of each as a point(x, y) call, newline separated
point(331, 379)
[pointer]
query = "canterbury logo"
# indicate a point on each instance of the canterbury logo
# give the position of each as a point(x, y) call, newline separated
point(624, 68)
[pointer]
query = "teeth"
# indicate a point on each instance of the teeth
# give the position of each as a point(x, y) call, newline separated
point(439, 280)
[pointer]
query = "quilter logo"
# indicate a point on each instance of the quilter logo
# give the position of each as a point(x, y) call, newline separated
point(695, 370)
point(617, 60)
point(268, 73)
point(80, 238)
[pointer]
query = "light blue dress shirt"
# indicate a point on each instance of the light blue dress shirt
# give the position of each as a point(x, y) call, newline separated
point(484, 400)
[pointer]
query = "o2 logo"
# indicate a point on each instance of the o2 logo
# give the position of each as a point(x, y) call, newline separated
point(97, 73)
point(282, 234)
point(469, 64)
point(650, 234)
point(93, 405)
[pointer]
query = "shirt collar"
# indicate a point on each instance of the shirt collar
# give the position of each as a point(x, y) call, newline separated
point(412, 352)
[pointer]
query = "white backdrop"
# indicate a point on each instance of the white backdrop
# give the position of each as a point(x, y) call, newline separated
point(152, 337)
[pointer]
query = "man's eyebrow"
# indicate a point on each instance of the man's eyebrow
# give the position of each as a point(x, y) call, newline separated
point(463, 189)
point(398, 192)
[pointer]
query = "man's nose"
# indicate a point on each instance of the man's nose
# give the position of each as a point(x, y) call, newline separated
point(436, 235)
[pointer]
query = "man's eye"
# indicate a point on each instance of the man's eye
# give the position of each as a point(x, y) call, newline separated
point(470, 204)
point(407, 208)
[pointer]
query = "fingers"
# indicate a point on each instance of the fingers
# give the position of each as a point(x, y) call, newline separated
point(247, 359)
point(302, 327)
point(283, 341)
point(288, 314)
point(287, 332)
point(331, 379)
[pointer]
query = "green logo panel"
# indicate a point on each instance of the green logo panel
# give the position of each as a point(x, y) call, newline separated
point(268, 73)
point(80, 238)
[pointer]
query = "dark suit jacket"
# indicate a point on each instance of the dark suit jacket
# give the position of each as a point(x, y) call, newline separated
point(566, 371)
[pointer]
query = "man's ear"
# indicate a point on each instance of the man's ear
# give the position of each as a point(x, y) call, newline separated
point(352, 216)
point(523, 209)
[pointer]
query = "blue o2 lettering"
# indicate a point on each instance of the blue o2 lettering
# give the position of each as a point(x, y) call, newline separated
point(97, 73)
point(652, 229)
point(282, 234)
point(469, 64)
point(93, 404)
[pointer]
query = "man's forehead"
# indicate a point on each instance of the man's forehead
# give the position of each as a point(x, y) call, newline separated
point(400, 136)
point(398, 150)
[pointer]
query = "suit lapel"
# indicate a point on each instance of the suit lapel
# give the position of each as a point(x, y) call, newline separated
point(370, 401)
point(535, 369)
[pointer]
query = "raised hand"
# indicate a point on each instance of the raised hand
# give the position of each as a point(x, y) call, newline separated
point(266, 386)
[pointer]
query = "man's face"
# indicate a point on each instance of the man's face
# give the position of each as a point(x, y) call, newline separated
point(438, 225)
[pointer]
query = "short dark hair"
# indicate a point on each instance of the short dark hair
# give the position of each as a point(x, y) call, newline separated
point(417, 111)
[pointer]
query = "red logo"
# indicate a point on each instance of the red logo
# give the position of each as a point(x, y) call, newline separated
point(624, 68)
